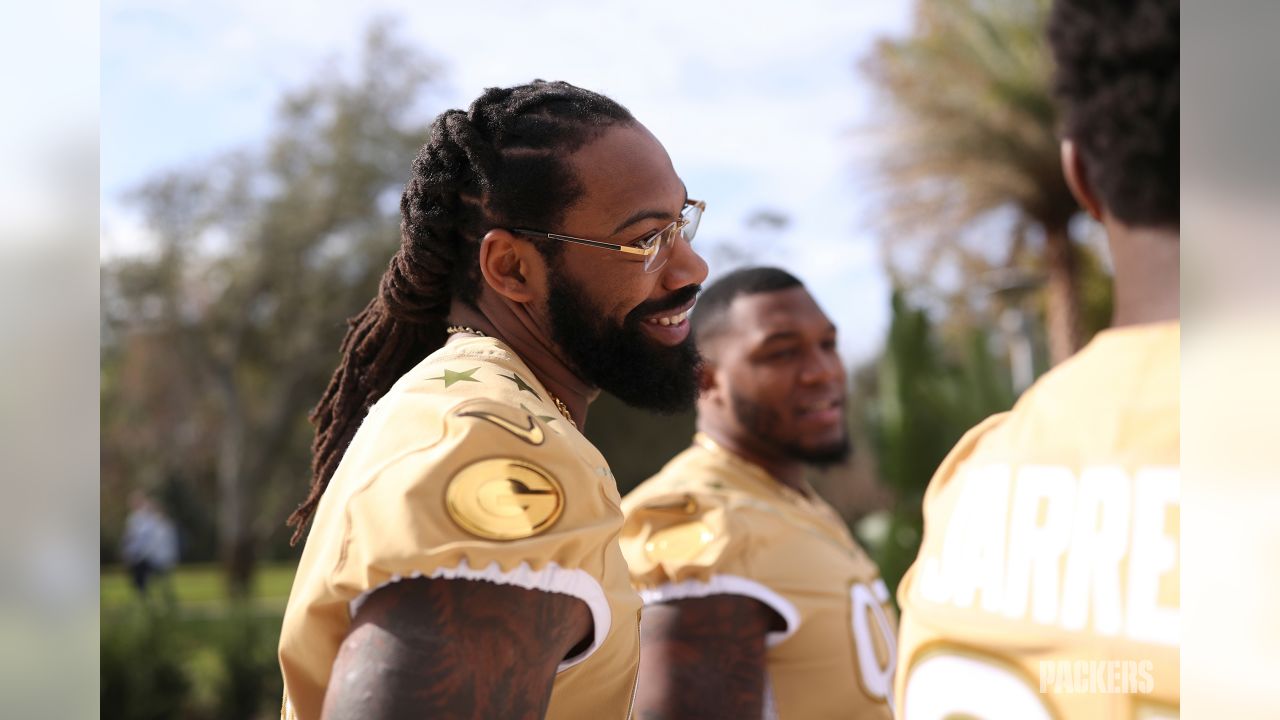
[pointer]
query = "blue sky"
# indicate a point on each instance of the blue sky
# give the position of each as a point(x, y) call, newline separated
point(760, 106)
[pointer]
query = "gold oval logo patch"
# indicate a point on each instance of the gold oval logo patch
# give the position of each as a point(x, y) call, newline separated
point(679, 543)
point(504, 499)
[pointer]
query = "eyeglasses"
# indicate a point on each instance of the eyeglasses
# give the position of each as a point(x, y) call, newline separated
point(655, 248)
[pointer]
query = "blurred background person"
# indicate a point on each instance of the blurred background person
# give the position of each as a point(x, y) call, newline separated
point(149, 547)
point(1047, 584)
point(757, 598)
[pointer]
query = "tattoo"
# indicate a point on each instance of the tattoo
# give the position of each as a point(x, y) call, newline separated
point(703, 658)
point(453, 649)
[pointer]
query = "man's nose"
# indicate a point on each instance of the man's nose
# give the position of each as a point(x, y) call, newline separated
point(820, 366)
point(685, 268)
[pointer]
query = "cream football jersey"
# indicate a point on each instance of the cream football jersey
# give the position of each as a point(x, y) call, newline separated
point(1047, 581)
point(466, 471)
point(712, 523)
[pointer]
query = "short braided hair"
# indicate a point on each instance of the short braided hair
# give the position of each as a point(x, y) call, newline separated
point(500, 163)
point(710, 316)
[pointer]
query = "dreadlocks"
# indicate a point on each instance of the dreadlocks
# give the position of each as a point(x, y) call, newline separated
point(500, 163)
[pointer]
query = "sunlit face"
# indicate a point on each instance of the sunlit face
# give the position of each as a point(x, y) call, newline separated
point(627, 330)
point(776, 367)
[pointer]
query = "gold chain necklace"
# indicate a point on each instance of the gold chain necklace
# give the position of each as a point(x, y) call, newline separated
point(465, 330)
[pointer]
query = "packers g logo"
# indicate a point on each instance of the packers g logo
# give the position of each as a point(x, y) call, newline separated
point(504, 499)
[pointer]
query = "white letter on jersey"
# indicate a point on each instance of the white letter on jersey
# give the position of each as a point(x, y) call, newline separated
point(869, 603)
point(1153, 554)
point(1036, 548)
point(1099, 542)
point(973, 549)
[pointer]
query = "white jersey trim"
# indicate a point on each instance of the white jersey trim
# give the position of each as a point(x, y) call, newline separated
point(729, 585)
point(551, 578)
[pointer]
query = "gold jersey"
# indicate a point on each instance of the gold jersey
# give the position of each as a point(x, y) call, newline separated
point(1047, 580)
point(712, 523)
point(465, 470)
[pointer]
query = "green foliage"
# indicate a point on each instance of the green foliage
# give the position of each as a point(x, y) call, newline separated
point(250, 679)
point(925, 399)
point(1097, 292)
point(161, 666)
point(204, 658)
point(143, 677)
point(636, 443)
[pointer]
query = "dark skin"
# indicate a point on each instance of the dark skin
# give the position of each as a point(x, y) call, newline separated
point(777, 351)
point(415, 647)
point(705, 657)
point(470, 649)
point(630, 192)
point(1146, 259)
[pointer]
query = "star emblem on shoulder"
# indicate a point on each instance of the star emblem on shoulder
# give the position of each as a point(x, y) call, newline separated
point(454, 376)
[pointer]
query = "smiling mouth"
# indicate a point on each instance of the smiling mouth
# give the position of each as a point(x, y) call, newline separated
point(669, 319)
point(821, 406)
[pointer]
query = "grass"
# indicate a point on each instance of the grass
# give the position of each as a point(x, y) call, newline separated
point(202, 657)
point(202, 588)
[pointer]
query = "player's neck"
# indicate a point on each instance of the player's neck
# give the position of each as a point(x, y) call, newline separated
point(512, 324)
point(1146, 262)
point(782, 469)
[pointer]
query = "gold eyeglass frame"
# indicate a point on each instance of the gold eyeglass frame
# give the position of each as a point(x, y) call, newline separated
point(678, 224)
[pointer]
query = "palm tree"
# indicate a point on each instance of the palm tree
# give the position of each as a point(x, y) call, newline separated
point(971, 137)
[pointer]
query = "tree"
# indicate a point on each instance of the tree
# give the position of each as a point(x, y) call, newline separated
point(924, 396)
point(260, 255)
point(971, 149)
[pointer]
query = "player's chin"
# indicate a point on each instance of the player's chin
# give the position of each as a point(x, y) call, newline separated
point(825, 450)
point(821, 427)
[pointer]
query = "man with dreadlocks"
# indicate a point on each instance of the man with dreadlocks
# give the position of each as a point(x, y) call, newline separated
point(463, 559)
point(1047, 580)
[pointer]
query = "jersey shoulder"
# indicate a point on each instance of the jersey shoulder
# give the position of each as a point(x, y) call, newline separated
point(688, 522)
point(461, 462)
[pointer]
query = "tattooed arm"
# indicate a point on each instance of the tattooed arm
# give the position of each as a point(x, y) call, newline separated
point(454, 649)
point(703, 658)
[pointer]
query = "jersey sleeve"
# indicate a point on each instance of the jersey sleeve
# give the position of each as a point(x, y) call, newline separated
point(689, 545)
point(935, 516)
point(964, 451)
point(494, 495)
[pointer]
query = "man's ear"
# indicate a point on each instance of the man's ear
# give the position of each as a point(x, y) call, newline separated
point(709, 388)
point(1073, 167)
point(511, 265)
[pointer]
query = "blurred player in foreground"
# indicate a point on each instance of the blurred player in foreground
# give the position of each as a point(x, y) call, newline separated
point(1047, 582)
point(758, 601)
point(463, 559)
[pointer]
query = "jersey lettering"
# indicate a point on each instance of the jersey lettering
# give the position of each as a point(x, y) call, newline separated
point(1098, 549)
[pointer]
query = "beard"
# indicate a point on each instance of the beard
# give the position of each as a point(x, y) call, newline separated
point(763, 423)
point(624, 360)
